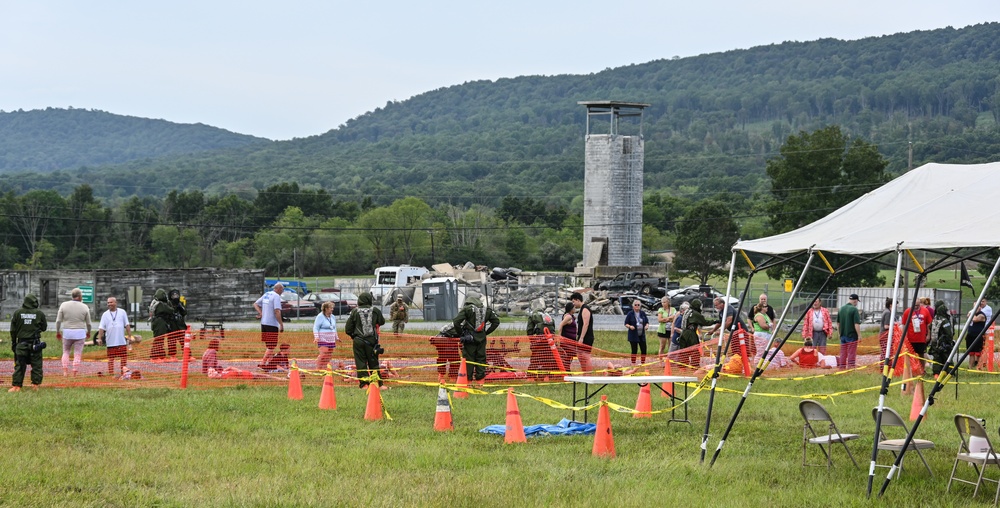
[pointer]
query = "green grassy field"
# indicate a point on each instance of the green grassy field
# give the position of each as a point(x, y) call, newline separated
point(249, 446)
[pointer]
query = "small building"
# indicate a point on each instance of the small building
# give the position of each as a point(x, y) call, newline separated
point(212, 294)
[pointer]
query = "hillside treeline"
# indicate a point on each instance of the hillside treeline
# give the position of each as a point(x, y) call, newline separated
point(55, 138)
point(714, 121)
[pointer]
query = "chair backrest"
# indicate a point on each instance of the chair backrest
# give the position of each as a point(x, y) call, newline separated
point(813, 411)
point(969, 427)
point(890, 418)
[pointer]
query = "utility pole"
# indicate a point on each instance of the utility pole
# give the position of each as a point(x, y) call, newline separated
point(909, 156)
point(431, 231)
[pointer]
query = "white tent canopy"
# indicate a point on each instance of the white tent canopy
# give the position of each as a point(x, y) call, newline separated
point(935, 206)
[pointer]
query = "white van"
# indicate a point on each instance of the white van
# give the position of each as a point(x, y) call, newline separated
point(388, 279)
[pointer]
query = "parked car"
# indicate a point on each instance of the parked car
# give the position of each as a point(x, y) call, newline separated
point(649, 303)
point(294, 305)
point(640, 282)
point(342, 302)
point(348, 302)
point(679, 296)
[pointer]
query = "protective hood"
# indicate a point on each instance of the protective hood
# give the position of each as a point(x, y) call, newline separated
point(696, 304)
point(160, 295)
point(473, 301)
point(30, 301)
point(940, 310)
point(365, 299)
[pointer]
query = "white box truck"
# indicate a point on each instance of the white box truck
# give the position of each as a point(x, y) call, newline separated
point(390, 279)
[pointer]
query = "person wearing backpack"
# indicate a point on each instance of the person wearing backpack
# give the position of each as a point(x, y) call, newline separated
point(540, 325)
point(362, 327)
point(471, 320)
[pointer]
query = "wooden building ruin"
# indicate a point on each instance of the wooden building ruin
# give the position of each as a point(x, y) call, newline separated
point(212, 294)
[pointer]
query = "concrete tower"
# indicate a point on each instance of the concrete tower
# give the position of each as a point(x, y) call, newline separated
point(612, 192)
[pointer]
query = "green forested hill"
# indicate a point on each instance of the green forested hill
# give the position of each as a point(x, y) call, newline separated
point(715, 119)
point(52, 139)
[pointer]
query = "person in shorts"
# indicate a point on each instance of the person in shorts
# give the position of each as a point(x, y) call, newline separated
point(268, 309)
point(112, 331)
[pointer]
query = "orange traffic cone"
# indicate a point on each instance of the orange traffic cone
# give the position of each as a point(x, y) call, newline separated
point(918, 399)
point(328, 398)
point(643, 404)
point(604, 440)
point(463, 380)
point(373, 411)
point(514, 431)
point(442, 417)
point(668, 388)
point(294, 385)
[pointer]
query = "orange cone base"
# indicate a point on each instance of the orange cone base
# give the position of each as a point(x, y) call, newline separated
point(644, 404)
point(442, 417)
point(294, 385)
point(328, 397)
point(514, 429)
point(463, 380)
point(668, 388)
point(604, 440)
point(918, 400)
point(374, 409)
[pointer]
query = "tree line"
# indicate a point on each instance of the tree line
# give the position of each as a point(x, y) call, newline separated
point(296, 231)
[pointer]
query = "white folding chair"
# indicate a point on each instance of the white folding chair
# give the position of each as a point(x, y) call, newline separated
point(890, 418)
point(969, 427)
point(813, 411)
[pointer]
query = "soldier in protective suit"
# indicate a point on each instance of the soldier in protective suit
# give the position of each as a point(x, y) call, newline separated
point(942, 338)
point(540, 322)
point(362, 327)
point(26, 327)
point(399, 315)
point(471, 320)
point(689, 352)
point(178, 323)
point(161, 315)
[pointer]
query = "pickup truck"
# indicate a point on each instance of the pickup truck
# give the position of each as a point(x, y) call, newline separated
point(640, 282)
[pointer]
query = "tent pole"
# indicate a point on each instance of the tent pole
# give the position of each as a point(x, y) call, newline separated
point(763, 361)
point(718, 355)
point(943, 379)
point(959, 313)
point(884, 389)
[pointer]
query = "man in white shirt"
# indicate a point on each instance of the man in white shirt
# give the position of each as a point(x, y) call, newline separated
point(113, 330)
point(73, 329)
point(268, 309)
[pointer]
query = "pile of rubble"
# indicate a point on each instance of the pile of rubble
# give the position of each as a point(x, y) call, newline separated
point(553, 300)
point(507, 294)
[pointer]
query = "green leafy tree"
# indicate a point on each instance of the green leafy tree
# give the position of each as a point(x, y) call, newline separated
point(412, 216)
point(281, 245)
point(705, 238)
point(817, 173)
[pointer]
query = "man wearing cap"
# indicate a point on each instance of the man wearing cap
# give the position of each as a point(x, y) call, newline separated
point(849, 324)
point(399, 315)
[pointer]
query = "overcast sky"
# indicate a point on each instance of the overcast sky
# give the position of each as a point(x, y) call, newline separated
point(294, 69)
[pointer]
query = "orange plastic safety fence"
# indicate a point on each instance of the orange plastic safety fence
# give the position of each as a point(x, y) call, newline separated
point(242, 357)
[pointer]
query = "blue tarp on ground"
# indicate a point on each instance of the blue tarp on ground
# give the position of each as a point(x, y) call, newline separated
point(563, 428)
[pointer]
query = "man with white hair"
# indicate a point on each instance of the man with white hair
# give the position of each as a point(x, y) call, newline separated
point(74, 316)
point(268, 309)
point(762, 300)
